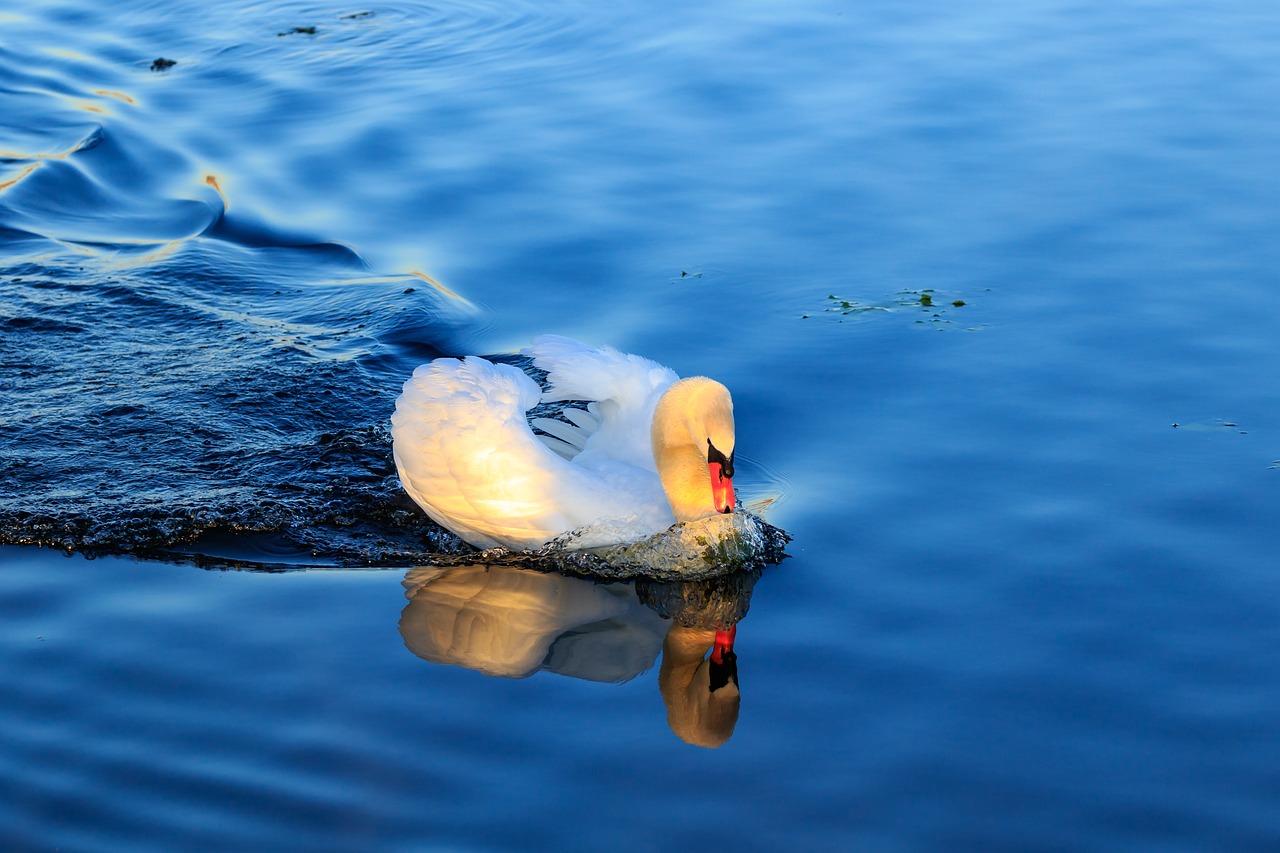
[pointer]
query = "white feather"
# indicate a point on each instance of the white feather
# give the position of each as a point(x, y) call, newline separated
point(467, 456)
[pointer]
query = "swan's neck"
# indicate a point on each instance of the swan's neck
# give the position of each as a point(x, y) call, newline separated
point(690, 413)
point(685, 479)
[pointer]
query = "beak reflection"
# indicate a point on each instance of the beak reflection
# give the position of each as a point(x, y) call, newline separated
point(514, 623)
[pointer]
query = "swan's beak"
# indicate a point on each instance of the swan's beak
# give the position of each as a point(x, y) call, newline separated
point(721, 488)
point(721, 478)
point(723, 662)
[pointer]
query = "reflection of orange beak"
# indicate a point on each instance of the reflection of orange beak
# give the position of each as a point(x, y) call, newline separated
point(722, 666)
point(721, 488)
point(724, 643)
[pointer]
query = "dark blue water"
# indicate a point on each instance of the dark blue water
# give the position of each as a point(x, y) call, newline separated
point(994, 290)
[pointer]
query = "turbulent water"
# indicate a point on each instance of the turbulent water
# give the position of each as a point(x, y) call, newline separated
point(148, 407)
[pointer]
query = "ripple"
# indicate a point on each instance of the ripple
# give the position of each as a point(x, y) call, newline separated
point(434, 35)
point(217, 391)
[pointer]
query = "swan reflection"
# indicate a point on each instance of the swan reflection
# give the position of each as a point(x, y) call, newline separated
point(512, 623)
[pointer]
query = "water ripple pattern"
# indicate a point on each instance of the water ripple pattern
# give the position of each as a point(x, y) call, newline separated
point(178, 360)
point(993, 286)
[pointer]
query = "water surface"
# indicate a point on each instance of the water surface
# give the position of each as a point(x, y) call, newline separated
point(993, 288)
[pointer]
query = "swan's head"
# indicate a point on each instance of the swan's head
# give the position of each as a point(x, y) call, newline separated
point(693, 445)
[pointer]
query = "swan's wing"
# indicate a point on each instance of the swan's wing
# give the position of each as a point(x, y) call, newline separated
point(466, 455)
point(624, 389)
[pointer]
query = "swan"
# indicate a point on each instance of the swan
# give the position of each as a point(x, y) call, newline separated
point(648, 450)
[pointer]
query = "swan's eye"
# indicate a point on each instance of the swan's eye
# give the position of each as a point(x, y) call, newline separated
point(726, 462)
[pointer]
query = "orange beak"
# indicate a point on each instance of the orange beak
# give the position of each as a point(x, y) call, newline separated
point(721, 487)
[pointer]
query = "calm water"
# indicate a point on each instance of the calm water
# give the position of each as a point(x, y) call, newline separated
point(964, 268)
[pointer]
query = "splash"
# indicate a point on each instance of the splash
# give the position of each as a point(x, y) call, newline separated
point(716, 547)
point(710, 547)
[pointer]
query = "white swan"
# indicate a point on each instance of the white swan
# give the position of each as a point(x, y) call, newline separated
point(649, 450)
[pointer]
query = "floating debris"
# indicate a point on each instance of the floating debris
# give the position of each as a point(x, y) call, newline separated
point(845, 307)
point(162, 64)
point(928, 301)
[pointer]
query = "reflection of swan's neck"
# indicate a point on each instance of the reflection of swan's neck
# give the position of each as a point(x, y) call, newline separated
point(692, 413)
point(696, 713)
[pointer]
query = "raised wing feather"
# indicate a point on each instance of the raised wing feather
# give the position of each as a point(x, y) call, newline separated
point(625, 389)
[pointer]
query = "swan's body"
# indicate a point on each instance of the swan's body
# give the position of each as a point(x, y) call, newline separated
point(649, 450)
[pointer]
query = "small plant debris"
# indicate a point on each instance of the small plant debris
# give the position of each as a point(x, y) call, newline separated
point(927, 301)
point(844, 307)
point(306, 31)
point(163, 64)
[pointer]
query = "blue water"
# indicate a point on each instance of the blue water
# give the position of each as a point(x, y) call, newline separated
point(1031, 600)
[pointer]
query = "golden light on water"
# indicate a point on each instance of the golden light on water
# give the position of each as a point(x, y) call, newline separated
point(90, 107)
point(128, 261)
point(213, 182)
point(66, 53)
point(119, 96)
point(24, 173)
point(437, 285)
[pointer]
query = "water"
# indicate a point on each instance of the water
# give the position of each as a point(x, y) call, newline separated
point(1022, 608)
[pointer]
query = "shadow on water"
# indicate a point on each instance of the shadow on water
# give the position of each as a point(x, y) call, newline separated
point(513, 623)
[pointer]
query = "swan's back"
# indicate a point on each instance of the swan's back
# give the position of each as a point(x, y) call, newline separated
point(466, 454)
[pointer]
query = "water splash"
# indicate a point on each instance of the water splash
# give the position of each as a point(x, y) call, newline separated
point(716, 547)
